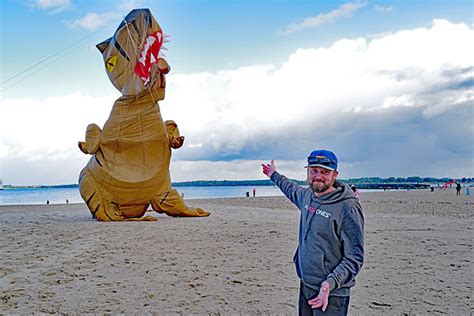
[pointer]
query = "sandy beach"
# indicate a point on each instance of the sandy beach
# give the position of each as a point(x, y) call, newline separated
point(56, 259)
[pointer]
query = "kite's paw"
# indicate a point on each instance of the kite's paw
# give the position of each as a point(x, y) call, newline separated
point(200, 212)
point(91, 145)
point(176, 140)
point(172, 204)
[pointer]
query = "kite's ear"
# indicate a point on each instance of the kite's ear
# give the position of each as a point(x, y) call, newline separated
point(103, 46)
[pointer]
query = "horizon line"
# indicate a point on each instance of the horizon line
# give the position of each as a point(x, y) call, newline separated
point(439, 179)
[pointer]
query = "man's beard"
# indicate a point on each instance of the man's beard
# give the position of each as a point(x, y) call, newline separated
point(319, 187)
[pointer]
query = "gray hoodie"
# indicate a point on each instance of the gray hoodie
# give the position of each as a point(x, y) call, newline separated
point(331, 235)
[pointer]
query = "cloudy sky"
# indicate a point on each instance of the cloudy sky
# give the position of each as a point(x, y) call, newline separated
point(387, 85)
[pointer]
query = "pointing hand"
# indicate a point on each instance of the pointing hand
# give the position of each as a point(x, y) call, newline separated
point(269, 169)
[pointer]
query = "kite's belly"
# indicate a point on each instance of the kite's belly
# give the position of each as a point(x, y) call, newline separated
point(133, 167)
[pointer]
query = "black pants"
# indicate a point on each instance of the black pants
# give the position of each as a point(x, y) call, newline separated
point(336, 306)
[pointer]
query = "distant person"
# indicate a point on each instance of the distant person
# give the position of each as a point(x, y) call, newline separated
point(254, 191)
point(47, 202)
point(330, 251)
point(431, 188)
point(356, 192)
point(458, 188)
point(67, 201)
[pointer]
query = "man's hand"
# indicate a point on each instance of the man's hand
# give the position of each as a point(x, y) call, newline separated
point(269, 169)
point(322, 298)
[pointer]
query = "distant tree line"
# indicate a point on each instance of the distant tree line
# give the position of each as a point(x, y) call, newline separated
point(201, 183)
point(366, 180)
point(219, 183)
point(405, 180)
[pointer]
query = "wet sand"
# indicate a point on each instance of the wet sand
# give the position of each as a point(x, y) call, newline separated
point(56, 259)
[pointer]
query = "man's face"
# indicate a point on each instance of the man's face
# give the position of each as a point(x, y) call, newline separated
point(320, 179)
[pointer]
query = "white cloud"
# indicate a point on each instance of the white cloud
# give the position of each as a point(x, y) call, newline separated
point(227, 110)
point(93, 21)
point(331, 97)
point(380, 8)
point(49, 129)
point(344, 11)
point(53, 6)
point(397, 105)
point(403, 100)
point(129, 5)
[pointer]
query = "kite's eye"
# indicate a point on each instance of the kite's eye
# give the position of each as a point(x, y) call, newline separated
point(110, 63)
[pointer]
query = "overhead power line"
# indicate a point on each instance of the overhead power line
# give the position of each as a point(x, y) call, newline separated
point(30, 68)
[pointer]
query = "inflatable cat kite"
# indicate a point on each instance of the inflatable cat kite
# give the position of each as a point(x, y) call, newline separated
point(129, 167)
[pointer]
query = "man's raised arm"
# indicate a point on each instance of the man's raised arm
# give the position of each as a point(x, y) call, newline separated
point(293, 191)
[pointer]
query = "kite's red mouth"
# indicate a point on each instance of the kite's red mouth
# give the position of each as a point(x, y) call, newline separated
point(148, 56)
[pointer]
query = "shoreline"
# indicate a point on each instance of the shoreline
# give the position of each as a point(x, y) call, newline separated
point(362, 191)
point(366, 192)
point(56, 259)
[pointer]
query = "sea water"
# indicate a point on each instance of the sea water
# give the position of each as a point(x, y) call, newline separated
point(59, 195)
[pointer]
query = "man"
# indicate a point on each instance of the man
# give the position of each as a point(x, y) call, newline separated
point(330, 251)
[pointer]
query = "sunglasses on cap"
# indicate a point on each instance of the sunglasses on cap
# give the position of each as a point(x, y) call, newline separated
point(320, 160)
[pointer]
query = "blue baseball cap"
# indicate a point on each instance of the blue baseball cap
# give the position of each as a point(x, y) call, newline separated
point(322, 158)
